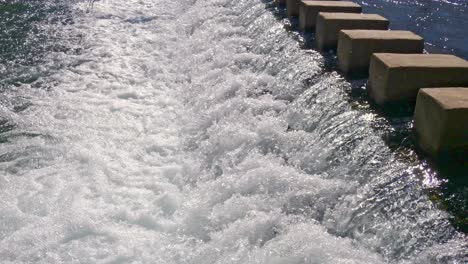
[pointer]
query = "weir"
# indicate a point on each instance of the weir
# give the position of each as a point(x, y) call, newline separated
point(175, 132)
point(309, 10)
point(396, 68)
point(441, 122)
point(330, 24)
point(357, 46)
point(398, 77)
point(292, 6)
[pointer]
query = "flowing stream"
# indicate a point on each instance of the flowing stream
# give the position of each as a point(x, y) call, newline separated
point(185, 131)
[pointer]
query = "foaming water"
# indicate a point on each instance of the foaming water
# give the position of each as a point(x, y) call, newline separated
point(200, 132)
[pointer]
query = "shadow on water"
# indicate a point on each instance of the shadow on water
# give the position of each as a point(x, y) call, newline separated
point(396, 122)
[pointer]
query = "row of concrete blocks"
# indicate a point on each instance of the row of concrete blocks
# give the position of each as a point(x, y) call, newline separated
point(397, 69)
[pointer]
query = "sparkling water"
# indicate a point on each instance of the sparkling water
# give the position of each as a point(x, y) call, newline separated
point(189, 131)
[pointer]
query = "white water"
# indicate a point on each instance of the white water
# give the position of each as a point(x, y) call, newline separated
point(184, 133)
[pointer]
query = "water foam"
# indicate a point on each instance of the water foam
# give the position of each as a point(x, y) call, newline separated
point(186, 132)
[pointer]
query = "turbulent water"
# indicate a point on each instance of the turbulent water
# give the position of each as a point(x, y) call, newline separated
point(192, 131)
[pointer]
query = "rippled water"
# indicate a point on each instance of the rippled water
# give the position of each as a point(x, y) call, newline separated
point(442, 23)
point(201, 132)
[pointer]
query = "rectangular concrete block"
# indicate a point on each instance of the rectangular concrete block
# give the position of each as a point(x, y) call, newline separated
point(309, 10)
point(355, 47)
point(329, 25)
point(441, 122)
point(292, 7)
point(398, 77)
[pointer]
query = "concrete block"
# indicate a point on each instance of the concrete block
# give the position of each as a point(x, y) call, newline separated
point(308, 11)
point(292, 7)
point(329, 25)
point(441, 122)
point(398, 77)
point(355, 47)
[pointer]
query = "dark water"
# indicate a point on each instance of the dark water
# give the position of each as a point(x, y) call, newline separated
point(27, 36)
point(442, 23)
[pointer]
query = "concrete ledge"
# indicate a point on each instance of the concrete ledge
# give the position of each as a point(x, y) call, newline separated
point(398, 77)
point(355, 47)
point(308, 11)
point(329, 25)
point(292, 7)
point(441, 122)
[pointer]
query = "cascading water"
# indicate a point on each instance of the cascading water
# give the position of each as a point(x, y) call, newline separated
point(201, 132)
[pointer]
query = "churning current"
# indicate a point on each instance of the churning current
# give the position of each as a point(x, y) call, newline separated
point(190, 132)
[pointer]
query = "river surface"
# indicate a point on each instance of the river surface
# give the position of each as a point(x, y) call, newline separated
point(195, 132)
